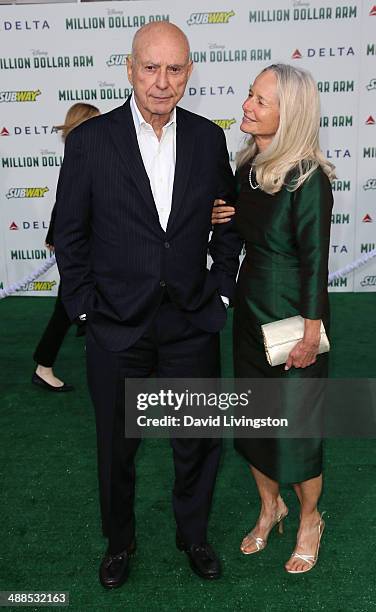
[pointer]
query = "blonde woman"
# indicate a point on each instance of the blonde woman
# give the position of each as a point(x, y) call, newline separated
point(283, 214)
point(59, 323)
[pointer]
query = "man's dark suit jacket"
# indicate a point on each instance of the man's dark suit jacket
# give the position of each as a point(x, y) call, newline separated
point(114, 258)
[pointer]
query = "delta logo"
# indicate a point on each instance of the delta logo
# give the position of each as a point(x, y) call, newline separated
point(26, 192)
point(210, 18)
point(39, 286)
point(29, 130)
point(370, 184)
point(117, 59)
point(22, 95)
point(372, 12)
point(323, 52)
point(27, 225)
point(225, 124)
point(296, 54)
point(34, 24)
point(370, 121)
point(367, 219)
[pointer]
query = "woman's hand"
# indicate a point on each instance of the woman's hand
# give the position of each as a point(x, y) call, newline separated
point(305, 352)
point(222, 213)
point(50, 247)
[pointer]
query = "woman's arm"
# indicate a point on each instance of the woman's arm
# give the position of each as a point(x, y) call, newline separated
point(311, 217)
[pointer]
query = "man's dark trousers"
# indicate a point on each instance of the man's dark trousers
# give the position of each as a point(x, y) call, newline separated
point(171, 348)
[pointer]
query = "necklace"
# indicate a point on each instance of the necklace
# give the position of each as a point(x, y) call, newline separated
point(250, 180)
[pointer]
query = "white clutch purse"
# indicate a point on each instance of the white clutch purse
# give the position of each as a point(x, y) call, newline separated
point(281, 336)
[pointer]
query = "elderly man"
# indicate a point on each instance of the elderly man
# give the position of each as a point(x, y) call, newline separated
point(134, 205)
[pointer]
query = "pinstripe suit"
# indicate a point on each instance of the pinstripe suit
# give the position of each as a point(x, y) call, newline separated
point(139, 284)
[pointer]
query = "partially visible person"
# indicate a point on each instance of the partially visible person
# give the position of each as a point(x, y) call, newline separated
point(283, 214)
point(59, 323)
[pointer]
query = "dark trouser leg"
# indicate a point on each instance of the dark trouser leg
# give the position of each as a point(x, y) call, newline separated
point(187, 352)
point(196, 465)
point(53, 336)
point(106, 372)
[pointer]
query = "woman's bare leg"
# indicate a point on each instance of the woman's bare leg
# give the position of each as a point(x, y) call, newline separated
point(272, 507)
point(308, 493)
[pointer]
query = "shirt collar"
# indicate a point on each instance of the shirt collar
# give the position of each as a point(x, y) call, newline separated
point(139, 120)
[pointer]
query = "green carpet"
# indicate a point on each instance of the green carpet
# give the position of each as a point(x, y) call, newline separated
point(50, 535)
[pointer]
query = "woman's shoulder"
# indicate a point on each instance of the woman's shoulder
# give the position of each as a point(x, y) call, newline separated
point(318, 179)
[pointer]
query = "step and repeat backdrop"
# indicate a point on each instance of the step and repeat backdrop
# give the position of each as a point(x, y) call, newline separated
point(52, 56)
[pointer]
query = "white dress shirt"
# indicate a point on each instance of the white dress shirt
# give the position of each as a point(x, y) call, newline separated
point(159, 157)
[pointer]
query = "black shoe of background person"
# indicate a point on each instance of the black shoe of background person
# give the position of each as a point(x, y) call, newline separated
point(202, 559)
point(114, 569)
point(37, 380)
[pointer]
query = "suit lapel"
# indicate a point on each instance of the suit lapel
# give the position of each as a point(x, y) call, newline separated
point(124, 136)
point(184, 155)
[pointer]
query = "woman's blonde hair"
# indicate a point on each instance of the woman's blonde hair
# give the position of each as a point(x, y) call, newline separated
point(295, 146)
point(78, 113)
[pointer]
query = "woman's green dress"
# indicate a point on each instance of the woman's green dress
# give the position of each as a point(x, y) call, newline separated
point(284, 273)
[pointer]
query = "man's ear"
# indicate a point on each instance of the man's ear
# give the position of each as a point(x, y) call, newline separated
point(129, 64)
point(190, 68)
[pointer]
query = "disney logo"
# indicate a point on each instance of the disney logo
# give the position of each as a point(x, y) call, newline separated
point(38, 52)
point(216, 46)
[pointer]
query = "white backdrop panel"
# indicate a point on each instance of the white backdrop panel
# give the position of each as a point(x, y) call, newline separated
point(52, 56)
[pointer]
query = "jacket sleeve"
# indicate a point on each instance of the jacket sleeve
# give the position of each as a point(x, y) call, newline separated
point(312, 210)
point(72, 226)
point(225, 244)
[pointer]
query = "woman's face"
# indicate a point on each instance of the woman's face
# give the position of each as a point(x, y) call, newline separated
point(261, 108)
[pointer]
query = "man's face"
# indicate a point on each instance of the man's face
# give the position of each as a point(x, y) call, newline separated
point(159, 73)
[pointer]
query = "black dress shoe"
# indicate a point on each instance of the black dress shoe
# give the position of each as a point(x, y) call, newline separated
point(202, 559)
point(114, 569)
point(37, 380)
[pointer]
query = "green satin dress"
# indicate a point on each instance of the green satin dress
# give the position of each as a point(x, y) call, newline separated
point(284, 273)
